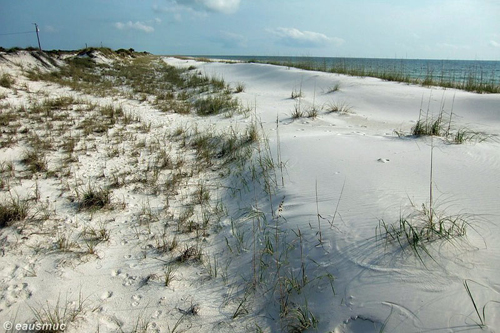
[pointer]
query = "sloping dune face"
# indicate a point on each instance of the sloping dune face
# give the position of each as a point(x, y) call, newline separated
point(406, 223)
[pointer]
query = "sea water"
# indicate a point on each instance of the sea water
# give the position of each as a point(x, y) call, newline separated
point(458, 71)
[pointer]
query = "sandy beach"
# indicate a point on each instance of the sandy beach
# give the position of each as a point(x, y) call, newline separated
point(168, 194)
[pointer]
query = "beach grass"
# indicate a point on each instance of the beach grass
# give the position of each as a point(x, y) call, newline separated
point(422, 227)
point(34, 160)
point(196, 202)
point(93, 198)
point(474, 80)
point(6, 80)
point(481, 314)
point(338, 107)
point(13, 210)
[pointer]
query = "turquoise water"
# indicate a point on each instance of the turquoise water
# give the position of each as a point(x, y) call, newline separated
point(460, 71)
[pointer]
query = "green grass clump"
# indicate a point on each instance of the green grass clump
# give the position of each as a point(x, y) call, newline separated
point(334, 88)
point(422, 227)
point(6, 81)
point(240, 87)
point(312, 112)
point(94, 198)
point(297, 111)
point(7, 117)
point(428, 127)
point(296, 94)
point(58, 317)
point(60, 103)
point(191, 253)
point(464, 135)
point(338, 107)
point(302, 319)
point(11, 211)
point(441, 125)
point(212, 105)
point(34, 160)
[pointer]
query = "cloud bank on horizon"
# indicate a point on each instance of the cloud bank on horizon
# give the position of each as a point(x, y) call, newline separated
point(441, 29)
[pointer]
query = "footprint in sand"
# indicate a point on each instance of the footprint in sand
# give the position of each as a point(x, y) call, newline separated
point(156, 314)
point(129, 280)
point(106, 295)
point(116, 272)
point(383, 160)
point(359, 324)
point(12, 294)
point(136, 300)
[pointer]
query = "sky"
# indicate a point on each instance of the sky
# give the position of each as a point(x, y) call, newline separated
point(413, 29)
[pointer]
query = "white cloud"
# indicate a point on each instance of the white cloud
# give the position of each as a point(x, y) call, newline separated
point(223, 6)
point(134, 26)
point(220, 6)
point(494, 43)
point(295, 37)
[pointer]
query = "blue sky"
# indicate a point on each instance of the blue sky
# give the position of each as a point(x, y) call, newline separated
point(438, 29)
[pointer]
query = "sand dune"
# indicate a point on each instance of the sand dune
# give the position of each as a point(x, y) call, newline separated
point(303, 228)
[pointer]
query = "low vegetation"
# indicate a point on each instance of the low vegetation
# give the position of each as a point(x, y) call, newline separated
point(94, 198)
point(422, 227)
point(425, 225)
point(441, 124)
point(90, 147)
point(339, 107)
point(187, 173)
point(13, 210)
point(474, 79)
point(6, 80)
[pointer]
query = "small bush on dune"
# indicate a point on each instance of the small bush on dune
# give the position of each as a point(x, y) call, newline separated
point(422, 227)
point(192, 253)
point(11, 211)
point(442, 126)
point(296, 94)
point(340, 107)
point(94, 198)
point(252, 133)
point(312, 112)
point(218, 83)
point(6, 81)
point(214, 105)
point(297, 112)
point(428, 127)
point(34, 160)
point(334, 88)
point(240, 87)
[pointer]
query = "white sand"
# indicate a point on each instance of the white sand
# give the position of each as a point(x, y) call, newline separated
point(364, 172)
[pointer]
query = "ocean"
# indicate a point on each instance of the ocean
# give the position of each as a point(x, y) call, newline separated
point(439, 71)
